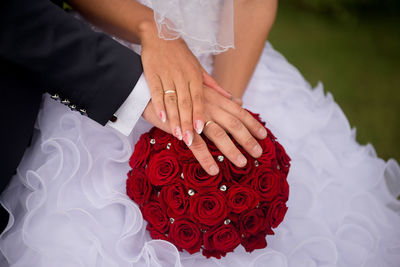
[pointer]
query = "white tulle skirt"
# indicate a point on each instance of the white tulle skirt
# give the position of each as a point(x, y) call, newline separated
point(68, 205)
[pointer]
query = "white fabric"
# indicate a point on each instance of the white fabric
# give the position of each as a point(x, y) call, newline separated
point(68, 204)
point(131, 110)
point(205, 25)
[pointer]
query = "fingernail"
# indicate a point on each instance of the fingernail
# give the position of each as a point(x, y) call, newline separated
point(263, 132)
point(242, 160)
point(214, 170)
point(188, 138)
point(257, 150)
point(163, 116)
point(198, 126)
point(178, 132)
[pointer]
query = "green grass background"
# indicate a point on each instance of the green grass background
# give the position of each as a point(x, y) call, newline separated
point(357, 60)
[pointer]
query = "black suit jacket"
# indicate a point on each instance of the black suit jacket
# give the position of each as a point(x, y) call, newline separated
point(44, 49)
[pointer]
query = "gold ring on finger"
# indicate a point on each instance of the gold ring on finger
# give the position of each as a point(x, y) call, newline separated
point(207, 123)
point(169, 92)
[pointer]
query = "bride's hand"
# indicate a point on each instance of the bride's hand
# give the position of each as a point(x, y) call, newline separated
point(225, 116)
point(175, 79)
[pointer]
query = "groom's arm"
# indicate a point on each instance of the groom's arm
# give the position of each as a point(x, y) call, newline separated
point(92, 71)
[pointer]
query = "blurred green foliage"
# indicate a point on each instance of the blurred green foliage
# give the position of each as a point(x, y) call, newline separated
point(348, 9)
point(358, 62)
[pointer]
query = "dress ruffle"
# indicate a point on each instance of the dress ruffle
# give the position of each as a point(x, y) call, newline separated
point(68, 204)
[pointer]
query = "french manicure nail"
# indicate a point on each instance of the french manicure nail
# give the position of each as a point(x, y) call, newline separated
point(163, 116)
point(263, 133)
point(214, 170)
point(199, 125)
point(188, 138)
point(257, 149)
point(178, 132)
point(242, 160)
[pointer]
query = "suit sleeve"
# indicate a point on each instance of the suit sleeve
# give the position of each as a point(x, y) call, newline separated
point(90, 69)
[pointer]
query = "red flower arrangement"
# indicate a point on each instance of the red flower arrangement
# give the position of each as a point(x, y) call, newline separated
point(196, 211)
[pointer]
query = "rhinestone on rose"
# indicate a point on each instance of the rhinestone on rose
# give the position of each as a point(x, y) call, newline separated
point(182, 176)
point(191, 192)
point(223, 188)
point(227, 221)
point(168, 145)
point(256, 163)
point(152, 141)
point(171, 220)
point(220, 158)
point(278, 167)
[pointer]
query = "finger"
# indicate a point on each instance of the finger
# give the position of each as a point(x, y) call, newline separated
point(210, 82)
point(201, 153)
point(157, 95)
point(196, 92)
point(185, 109)
point(236, 128)
point(254, 126)
point(219, 137)
point(170, 101)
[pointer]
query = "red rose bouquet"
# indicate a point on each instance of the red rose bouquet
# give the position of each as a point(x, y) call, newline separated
point(196, 211)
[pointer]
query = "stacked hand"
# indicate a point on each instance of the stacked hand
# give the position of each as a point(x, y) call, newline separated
point(175, 78)
point(224, 116)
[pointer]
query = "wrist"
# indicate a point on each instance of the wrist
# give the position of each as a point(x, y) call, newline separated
point(147, 31)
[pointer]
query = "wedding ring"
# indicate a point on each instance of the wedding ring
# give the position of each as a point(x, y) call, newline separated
point(207, 123)
point(169, 92)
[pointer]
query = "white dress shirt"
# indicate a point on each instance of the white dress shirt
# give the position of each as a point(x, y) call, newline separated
point(131, 110)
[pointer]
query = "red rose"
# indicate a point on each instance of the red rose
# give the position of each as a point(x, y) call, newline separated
point(156, 234)
point(138, 187)
point(163, 168)
point(252, 222)
point(276, 212)
point(268, 155)
point(254, 242)
point(184, 234)
point(242, 175)
point(220, 240)
point(182, 151)
point(208, 208)
point(283, 158)
point(267, 183)
point(155, 215)
point(141, 153)
point(195, 177)
point(241, 198)
point(161, 139)
point(174, 200)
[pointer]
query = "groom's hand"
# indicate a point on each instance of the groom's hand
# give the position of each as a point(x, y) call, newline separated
point(224, 116)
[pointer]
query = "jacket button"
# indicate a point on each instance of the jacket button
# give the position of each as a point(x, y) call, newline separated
point(55, 96)
point(113, 118)
point(65, 102)
point(72, 107)
point(83, 111)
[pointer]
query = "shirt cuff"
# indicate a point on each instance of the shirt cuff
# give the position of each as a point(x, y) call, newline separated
point(131, 110)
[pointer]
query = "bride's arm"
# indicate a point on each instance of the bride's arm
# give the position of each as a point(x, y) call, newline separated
point(253, 20)
point(167, 65)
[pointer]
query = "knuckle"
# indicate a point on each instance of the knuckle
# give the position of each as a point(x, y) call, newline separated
point(198, 146)
point(242, 113)
point(218, 133)
point(170, 98)
point(185, 103)
point(197, 97)
point(250, 142)
point(235, 124)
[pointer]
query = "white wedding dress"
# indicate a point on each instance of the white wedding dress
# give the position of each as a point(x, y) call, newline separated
point(68, 204)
